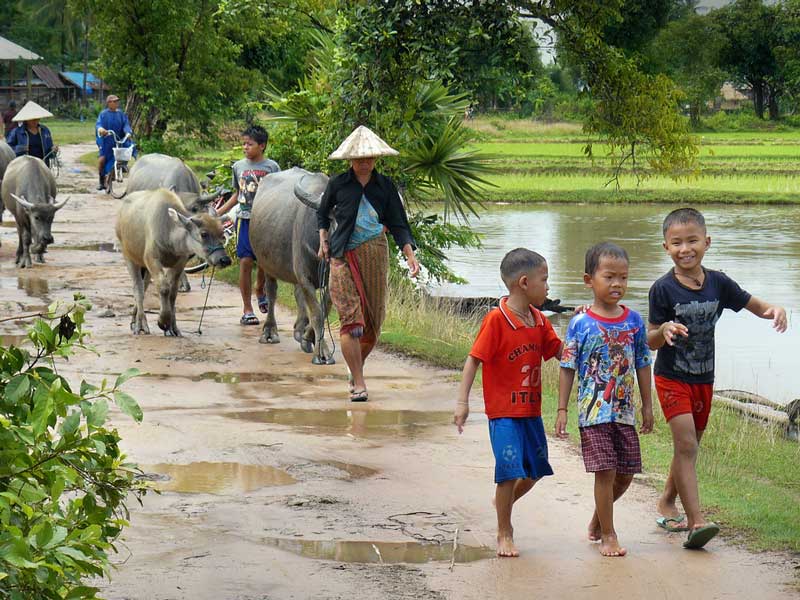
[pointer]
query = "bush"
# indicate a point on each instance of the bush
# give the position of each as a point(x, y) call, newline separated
point(63, 478)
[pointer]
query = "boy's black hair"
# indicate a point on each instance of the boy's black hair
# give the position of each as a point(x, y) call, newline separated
point(518, 262)
point(598, 251)
point(683, 216)
point(257, 133)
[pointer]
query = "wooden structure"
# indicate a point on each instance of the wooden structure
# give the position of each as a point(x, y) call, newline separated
point(11, 55)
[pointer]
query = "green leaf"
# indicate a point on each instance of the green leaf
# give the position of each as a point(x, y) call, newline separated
point(128, 405)
point(125, 376)
point(71, 423)
point(42, 410)
point(44, 535)
point(17, 387)
point(98, 413)
point(88, 389)
point(59, 535)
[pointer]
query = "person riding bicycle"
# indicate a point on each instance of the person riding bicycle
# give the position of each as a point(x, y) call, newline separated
point(110, 119)
point(30, 137)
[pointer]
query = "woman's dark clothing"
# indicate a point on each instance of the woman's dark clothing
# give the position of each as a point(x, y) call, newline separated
point(343, 196)
point(33, 144)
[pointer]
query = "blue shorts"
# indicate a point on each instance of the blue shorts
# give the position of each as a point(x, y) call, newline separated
point(520, 448)
point(243, 248)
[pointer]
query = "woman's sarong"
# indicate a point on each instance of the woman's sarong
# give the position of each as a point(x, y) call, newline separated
point(359, 285)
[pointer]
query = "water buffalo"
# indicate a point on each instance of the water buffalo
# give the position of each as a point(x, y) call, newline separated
point(28, 192)
point(154, 171)
point(285, 240)
point(157, 236)
point(6, 156)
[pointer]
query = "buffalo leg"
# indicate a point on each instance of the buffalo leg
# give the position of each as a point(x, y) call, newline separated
point(25, 244)
point(184, 285)
point(315, 332)
point(19, 247)
point(269, 333)
point(173, 276)
point(301, 322)
point(138, 320)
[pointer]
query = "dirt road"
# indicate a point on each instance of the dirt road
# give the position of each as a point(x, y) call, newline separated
point(277, 487)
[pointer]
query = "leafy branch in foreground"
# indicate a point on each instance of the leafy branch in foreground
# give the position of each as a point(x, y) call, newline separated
point(63, 478)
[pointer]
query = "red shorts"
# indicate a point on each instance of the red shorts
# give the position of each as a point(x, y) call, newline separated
point(679, 398)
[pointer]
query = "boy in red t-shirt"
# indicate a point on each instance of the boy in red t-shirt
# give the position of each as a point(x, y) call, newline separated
point(512, 341)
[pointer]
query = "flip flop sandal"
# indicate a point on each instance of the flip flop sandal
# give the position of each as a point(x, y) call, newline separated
point(672, 524)
point(701, 536)
point(263, 304)
point(359, 396)
point(249, 319)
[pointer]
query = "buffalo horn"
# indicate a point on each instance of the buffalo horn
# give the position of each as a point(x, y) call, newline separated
point(61, 204)
point(308, 199)
point(21, 200)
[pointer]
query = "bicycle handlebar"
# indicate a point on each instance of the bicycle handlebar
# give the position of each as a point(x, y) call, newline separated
point(112, 133)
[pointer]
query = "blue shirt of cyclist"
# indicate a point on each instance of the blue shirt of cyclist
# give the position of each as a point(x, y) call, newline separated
point(367, 225)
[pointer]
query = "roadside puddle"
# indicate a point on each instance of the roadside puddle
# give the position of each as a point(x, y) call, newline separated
point(366, 423)
point(380, 552)
point(33, 286)
point(95, 247)
point(215, 477)
point(11, 339)
point(244, 377)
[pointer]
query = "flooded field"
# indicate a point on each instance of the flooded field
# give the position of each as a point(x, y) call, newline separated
point(758, 246)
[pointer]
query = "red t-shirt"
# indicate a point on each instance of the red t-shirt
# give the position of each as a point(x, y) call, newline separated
point(511, 355)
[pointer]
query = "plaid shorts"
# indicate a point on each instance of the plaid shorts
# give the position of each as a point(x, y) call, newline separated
point(611, 447)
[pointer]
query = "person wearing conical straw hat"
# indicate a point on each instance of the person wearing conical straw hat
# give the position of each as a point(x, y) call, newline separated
point(30, 137)
point(366, 204)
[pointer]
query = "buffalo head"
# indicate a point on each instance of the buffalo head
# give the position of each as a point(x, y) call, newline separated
point(40, 215)
point(205, 237)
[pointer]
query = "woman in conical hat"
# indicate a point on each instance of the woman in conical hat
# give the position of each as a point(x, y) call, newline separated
point(366, 204)
point(30, 137)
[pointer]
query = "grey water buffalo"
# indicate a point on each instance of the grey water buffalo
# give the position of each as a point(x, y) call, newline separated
point(155, 171)
point(157, 236)
point(6, 156)
point(285, 240)
point(28, 191)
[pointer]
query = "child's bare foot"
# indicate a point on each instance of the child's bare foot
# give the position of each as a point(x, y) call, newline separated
point(609, 546)
point(506, 547)
point(594, 530)
point(667, 509)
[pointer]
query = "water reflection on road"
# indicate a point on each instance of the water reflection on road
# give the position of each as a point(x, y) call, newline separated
point(756, 245)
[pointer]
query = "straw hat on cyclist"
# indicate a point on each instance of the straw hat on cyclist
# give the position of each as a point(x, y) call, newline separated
point(31, 137)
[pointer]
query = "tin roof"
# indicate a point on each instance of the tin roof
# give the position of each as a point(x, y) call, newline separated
point(49, 77)
point(11, 51)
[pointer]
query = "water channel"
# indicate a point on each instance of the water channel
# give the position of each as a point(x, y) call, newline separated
point(758, 246)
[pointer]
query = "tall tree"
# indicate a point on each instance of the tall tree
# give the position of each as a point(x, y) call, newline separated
point(688, 51)
point(750, 31)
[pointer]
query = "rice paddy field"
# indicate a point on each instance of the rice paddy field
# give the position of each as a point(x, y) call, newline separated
point(546, 163)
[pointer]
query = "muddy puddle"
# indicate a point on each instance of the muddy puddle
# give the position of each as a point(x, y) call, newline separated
point(95, 247)
point(13, 339)
point(214, 477)
point(32, 286)
point(361, 423)
point(380, 552)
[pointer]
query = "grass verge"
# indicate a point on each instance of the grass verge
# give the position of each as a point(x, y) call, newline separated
point(70, 132)
point(747, 472)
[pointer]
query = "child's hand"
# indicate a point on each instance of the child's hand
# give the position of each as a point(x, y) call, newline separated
point(582, 308)
point(561, 425)
point(460, 415)
point(647, 421)
point(778, 316)
point(671, 329)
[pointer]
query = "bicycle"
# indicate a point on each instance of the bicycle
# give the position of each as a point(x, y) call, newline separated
point(122, 154)
point(53, 160)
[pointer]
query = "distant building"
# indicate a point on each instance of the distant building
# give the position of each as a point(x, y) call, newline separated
point(731, 98)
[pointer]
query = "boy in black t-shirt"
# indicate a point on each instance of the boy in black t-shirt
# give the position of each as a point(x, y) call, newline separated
point(685, 305)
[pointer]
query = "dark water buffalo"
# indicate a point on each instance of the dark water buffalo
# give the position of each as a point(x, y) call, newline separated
point(157, 236)
point(285, 240)
point(29, 193)
point(6, 156)
point(155, 171)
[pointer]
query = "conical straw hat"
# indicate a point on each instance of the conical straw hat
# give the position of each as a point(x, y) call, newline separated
point(362, 143)
point(31, 110)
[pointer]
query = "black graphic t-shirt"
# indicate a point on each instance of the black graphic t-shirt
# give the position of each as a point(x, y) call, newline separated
point(691, 359)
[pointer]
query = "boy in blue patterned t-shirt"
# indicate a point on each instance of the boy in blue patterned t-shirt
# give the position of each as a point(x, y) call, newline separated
point(606, 344)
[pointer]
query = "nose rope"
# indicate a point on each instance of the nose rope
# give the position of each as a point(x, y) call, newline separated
point(203, 312)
